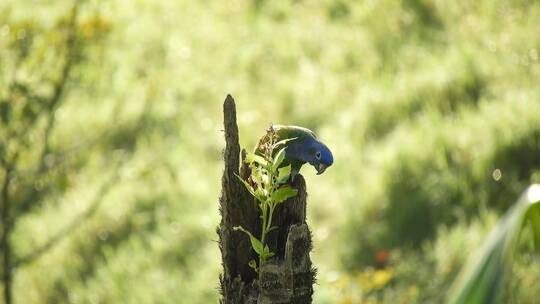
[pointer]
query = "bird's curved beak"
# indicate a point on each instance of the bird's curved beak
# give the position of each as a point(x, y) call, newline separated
point(321, 168)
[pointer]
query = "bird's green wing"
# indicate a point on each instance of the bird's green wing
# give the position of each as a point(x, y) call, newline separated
point(293, 131)
point(283, 132)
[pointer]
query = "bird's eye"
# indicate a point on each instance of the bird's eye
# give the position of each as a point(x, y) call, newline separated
point(318, 155)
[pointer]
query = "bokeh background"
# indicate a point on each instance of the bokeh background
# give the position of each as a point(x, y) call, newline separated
point(110, 139)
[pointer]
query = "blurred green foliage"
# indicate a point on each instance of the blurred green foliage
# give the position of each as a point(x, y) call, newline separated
point(430, 107)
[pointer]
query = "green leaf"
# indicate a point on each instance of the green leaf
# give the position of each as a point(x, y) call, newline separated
point(283, 194)
point(248, 186)
point(284, 174)
point(253, 264)
point(280, 156)
point(282, 142)
point(257, 176)
point(267, 253)
point(254, 158)
point(255, 243)
point(260, 195)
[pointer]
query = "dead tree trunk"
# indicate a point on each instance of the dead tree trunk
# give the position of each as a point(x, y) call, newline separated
point(289, 276)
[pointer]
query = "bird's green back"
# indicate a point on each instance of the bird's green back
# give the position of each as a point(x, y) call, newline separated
point(283, 132)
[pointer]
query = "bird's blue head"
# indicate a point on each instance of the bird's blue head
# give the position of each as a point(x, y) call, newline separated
point(311, 151)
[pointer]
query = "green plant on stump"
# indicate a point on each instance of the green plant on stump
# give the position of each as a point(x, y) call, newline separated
point(269, 186)
point(481, 279)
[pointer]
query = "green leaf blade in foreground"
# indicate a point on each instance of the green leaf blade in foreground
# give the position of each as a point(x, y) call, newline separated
point(283, 193)
point(480, 280)
point(255, 243)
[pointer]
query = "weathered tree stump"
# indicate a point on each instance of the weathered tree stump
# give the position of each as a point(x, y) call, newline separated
point(286, 278)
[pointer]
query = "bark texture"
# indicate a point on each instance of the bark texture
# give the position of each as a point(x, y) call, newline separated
point(289, 276)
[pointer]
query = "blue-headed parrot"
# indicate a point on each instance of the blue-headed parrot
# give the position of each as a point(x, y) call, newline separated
point(303, 148)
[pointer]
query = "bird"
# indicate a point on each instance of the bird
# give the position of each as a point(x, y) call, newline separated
point(302, 147)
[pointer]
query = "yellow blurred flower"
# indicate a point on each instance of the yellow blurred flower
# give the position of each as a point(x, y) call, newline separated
point(375, 279)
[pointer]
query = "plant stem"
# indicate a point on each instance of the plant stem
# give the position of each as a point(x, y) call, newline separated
point(269, 223)
point(267, 207)
point(263, 232)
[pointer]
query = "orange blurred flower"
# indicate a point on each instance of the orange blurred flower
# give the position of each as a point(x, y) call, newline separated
point(382, 256)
